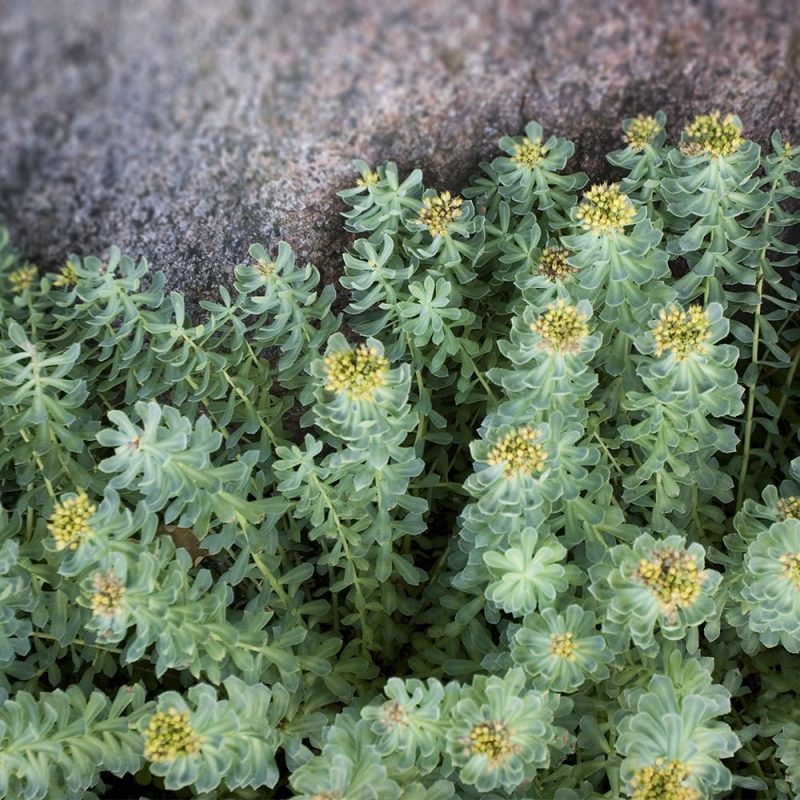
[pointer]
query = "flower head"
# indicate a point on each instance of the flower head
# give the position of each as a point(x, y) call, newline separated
point(654, 583)
point(561, 327)
point(673, 577)
point(266, 267)
point(553, 264)
point(562, 645)
point(789, 508)
point(772, 585)
point(393, 715)
point(439, 211)
point(169, 735)
point(560, 651)
point(529, 153)
point(368, 177)
point(770, 588)
point(672, 743)
point(492, 740)
point(500, 732)
point(22, 279)
point(69, 522)
point(791, 567)
point(519, 452)
point(708, 133)
point(408, 723)
point(641, 131)
point(67, 276)
point(663, 780)
point(605, 209)
point(107, 595)
point(358, 373)
point(681, 332)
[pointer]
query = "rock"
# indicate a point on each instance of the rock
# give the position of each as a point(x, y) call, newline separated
point(183, 131)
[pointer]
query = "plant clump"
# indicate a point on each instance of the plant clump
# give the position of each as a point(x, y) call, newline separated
point(517, 517)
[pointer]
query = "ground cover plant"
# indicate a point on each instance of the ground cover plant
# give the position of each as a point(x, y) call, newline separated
point(522, 521)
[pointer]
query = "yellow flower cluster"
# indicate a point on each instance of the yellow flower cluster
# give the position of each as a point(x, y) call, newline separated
point(169, 735)
point(108, 593)
point(22, 278)
point(439, 211)
point(520, 453)
point(368, 178)
point(673, 577)
point(681, 332)
point(664, 780)
point(708, 133)
point(641, 131)
point(67, 276)
point(69, 522)
point(553, 264)
point(563, 645)
point(359, 373)
point(529, 153)
point(562, 327)
point(789, 508)
point(493, 740)
point(605, 209)
point(791, 567)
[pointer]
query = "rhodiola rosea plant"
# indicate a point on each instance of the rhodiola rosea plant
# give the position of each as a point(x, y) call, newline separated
point(522, 522)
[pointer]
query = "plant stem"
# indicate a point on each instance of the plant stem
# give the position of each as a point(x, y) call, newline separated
point(751, 394)
point(360, 599)
point(76, 642)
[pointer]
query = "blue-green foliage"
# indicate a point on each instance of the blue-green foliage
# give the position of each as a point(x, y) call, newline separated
point(56, 744)
point(522, 521)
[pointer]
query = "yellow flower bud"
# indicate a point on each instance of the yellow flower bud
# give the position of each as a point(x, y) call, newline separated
point(605, 209)
point(439, 211)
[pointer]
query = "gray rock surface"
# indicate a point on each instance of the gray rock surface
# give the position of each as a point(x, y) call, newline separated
point(185, 130)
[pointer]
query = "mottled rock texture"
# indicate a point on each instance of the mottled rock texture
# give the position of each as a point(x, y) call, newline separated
point(185, 130)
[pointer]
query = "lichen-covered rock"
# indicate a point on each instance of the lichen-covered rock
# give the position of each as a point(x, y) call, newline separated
point(183, 131)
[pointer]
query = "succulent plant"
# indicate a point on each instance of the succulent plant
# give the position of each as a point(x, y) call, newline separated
point(518, 518)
